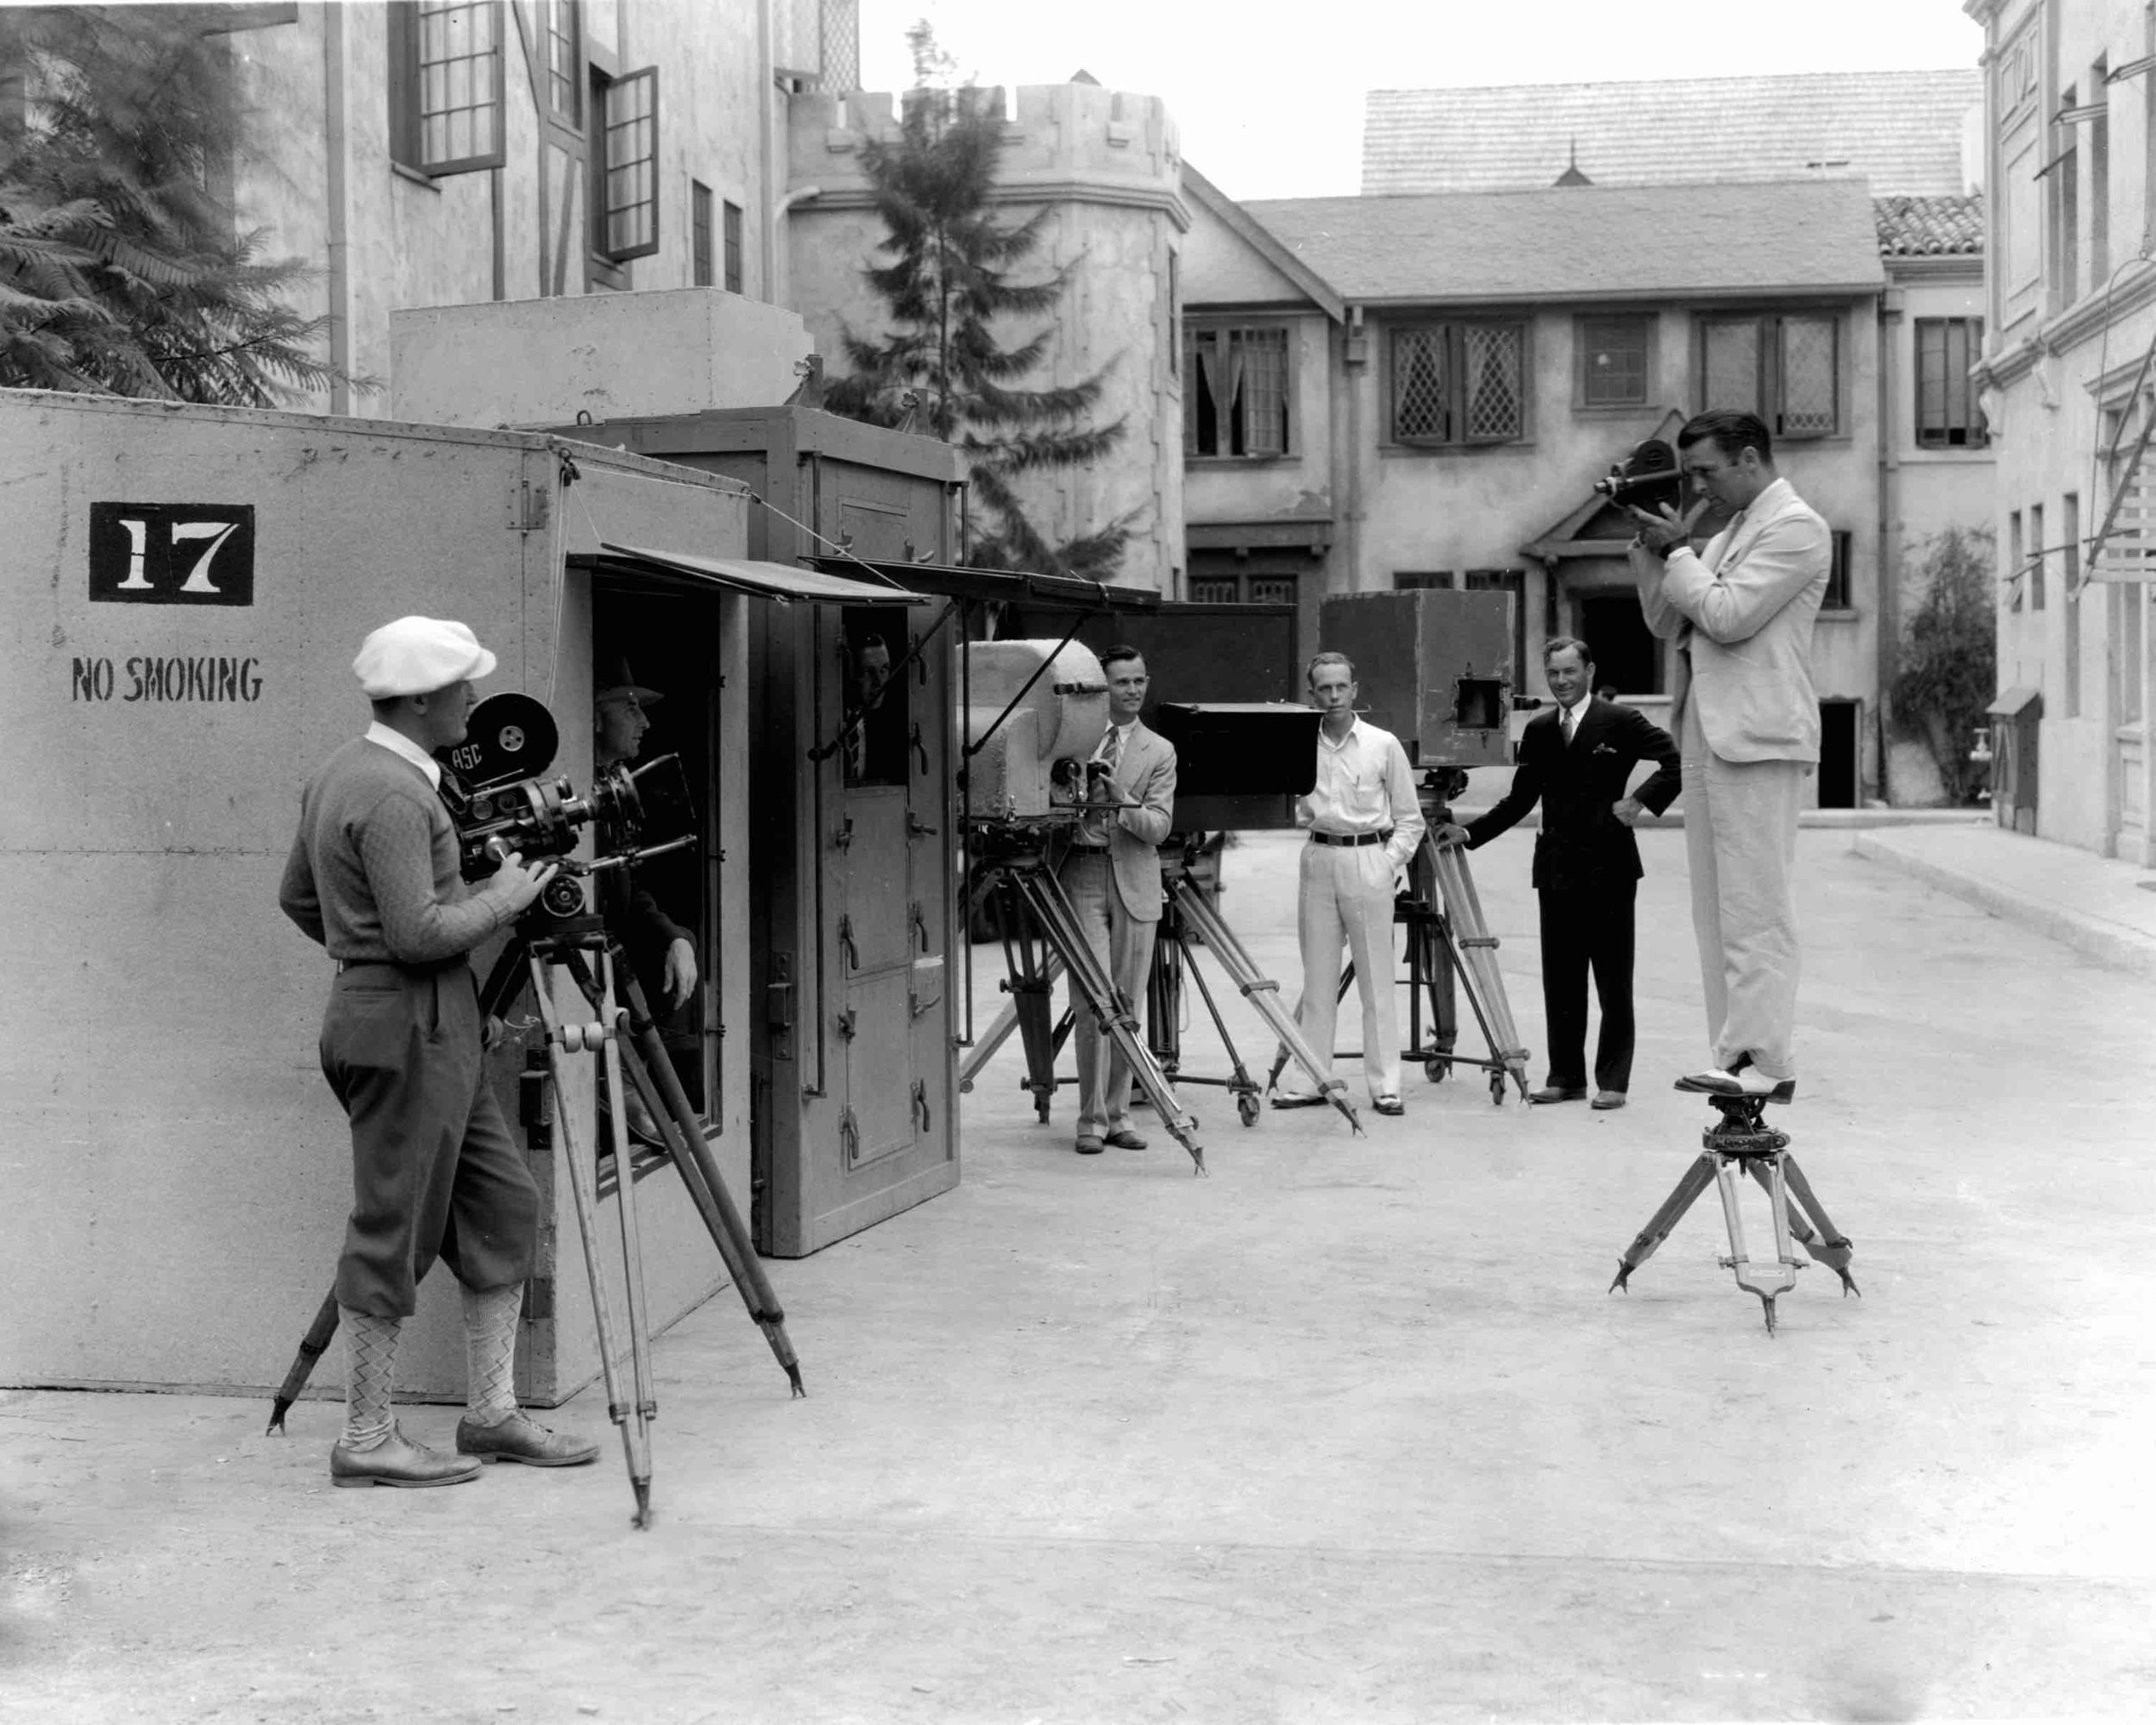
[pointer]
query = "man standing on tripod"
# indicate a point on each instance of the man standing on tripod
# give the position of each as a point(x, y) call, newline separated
point(1111, 872)
point(374, 878)
point(1365, 822)
point(1747, 718)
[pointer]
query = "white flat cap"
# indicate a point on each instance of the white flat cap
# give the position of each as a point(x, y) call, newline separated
point(415, 655)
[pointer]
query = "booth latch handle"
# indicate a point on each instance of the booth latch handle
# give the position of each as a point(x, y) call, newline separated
point(919, 747)
point(850, 1134)
point(842, 836)
point(920, 1101)
point(847, 1020)
point(846, 940)
point(918, 917)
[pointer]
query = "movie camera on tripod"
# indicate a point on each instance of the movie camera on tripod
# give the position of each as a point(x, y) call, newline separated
point(500, 802)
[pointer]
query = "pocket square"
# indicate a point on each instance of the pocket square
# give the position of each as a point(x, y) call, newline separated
point(1603, 748)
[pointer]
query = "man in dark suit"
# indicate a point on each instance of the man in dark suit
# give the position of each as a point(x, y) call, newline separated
point(1577, 759)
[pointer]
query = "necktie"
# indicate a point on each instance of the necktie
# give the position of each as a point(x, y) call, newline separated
point(1111, 748)
point(1570, 719)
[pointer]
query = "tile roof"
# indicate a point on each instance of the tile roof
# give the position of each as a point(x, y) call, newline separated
point(1930, 227)
point(1585, 242)
point(1901, 130)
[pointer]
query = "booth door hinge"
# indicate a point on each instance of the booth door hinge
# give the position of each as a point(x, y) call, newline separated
point(846, 941)
point(920, 1102)
point(842, 835)
point(530, 506)
point(848, 1022)
point(850, 1134)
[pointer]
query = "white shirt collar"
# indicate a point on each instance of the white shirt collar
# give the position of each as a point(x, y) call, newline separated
point(398, 744)
point(1577, 707)
point(1354, 731)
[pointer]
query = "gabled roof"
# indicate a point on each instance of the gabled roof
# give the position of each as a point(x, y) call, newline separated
point(1900, 131)
point(1236, 219)
point(1585, 242)
point(1930, 227)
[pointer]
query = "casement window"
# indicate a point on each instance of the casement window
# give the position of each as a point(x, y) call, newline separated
point(445, 86)
point(1237, 399)
point(625, 165)
point(565, 62)
point(1404, 580)
point(1836, 597)
point(1948, 413)
point(1787, 370)
point(699, 234)
point(732, 238)
point(1457, 384)
point(1614, 361)
point(1270, 589)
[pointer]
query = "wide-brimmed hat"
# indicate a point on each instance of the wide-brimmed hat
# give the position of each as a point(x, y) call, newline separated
point(415, 655)
point(614, 682)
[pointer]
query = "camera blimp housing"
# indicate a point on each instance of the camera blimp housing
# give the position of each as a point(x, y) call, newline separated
point(1431, 665)
point(1040, 705)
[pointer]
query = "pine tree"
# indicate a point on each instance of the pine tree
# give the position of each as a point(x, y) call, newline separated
point(940, 368)
point(121, 268)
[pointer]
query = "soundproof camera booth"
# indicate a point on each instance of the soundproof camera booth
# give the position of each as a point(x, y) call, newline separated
point(183, 589)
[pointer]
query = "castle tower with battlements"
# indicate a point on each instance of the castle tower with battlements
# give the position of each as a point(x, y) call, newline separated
point(1107, 166)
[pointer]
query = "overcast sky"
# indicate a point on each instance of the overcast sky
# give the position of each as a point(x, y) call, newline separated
point(1269, 97)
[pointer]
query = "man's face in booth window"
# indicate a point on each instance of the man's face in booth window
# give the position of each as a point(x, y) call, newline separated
point(621, 724)
point(873, 673)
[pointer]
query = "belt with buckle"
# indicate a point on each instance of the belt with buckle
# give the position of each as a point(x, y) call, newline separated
point(1350, 838)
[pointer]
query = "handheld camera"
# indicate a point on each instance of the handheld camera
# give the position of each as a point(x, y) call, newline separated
point(1648, 478)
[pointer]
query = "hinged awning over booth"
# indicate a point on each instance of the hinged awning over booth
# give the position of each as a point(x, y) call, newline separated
point(1003, 586)
point(780, 581)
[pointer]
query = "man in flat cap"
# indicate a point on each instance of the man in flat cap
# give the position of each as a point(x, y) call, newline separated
point(373, 879)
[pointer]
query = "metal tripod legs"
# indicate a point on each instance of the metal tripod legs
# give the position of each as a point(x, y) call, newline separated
point(602, 1036)
point(1259, 990)
point(1473, 949)
point(1740, 1143)
point(1092, 989)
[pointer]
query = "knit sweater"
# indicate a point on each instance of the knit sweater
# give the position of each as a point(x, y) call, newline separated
point(372, 875)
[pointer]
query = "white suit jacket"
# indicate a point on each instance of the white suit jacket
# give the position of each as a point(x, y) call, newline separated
point(1743, 608)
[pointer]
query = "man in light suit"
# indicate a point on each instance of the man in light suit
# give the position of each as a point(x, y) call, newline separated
point(1747, 721)
point(1111, 872)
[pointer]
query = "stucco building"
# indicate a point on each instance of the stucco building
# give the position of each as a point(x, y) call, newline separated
point(1420, 387)
point(2070, 390)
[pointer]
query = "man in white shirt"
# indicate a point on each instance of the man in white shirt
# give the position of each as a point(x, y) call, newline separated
point(1365, 822)
point(1747, 720)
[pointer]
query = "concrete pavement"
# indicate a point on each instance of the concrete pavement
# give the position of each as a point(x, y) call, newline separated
point(1350, 1430)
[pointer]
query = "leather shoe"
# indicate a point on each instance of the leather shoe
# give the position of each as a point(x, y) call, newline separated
point(518, 1438)
point(1089, 1144)
point(1558, 1093)
point(399, 1461)
point(1389, 1105)
point(1124, 1138)
point(1750, 1080)
point(1607, 1099)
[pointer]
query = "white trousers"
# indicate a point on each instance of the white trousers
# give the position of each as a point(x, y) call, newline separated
point(1125, 947)
point(1346, 897)
point(1741, 840)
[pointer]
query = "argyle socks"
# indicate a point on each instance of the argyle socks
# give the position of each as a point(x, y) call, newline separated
point(490, 1351)
point(370, 1378)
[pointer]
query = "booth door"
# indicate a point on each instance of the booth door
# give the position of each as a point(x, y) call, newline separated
point(881, 1137)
